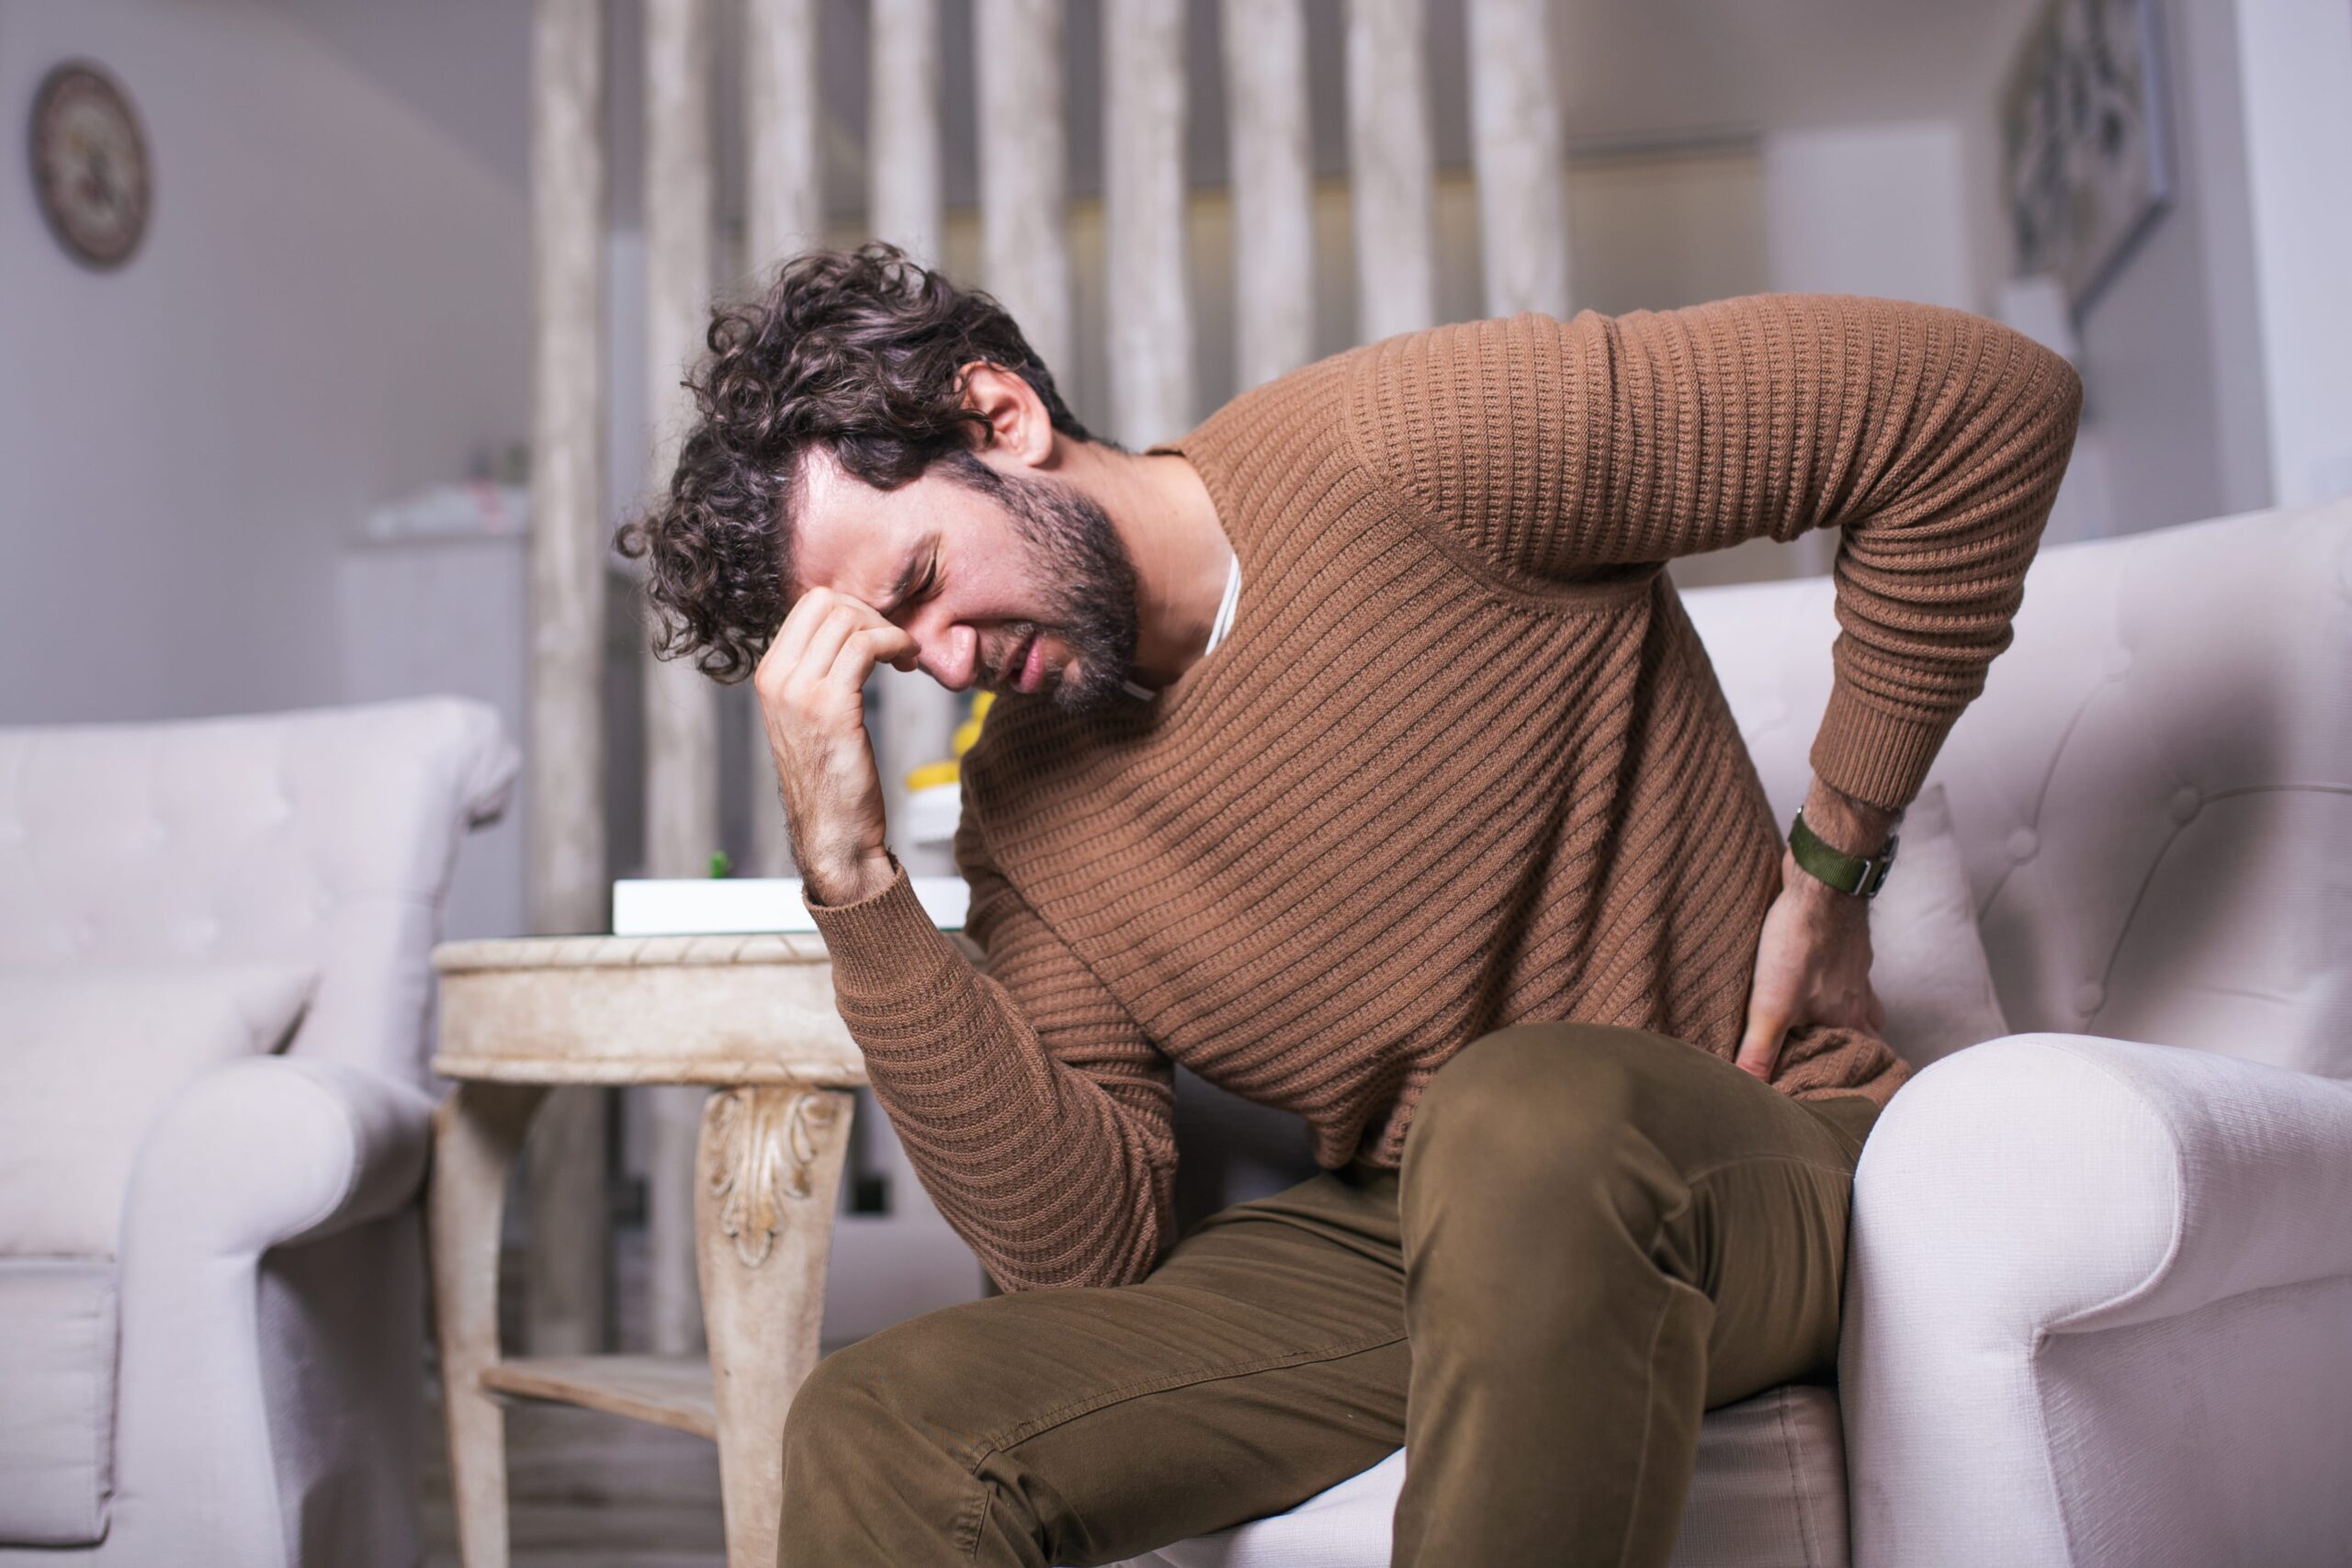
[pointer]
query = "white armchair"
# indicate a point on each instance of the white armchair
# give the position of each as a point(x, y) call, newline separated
point(241, 1381)
point(2098, 1306)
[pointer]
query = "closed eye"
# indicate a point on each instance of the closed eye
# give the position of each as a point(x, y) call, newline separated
point(914, 595)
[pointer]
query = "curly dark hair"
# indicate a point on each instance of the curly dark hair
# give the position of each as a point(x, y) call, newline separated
point(860, 351)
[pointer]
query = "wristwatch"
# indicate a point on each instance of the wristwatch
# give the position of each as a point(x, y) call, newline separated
point(1862, 876)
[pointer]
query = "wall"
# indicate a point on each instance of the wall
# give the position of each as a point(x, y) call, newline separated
point(331, 308)
point(1860, 209)
point(1870, 209)
point(2296, 65)
point(1652, 229)
point(2175, 422)
point(2169, 351)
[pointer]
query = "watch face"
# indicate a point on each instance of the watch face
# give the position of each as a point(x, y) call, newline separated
point(90, 164)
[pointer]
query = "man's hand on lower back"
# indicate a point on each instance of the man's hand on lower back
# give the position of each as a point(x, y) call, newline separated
point(811, 683)
point(1813, 958)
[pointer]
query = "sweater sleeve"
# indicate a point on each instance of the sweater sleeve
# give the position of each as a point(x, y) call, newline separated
point(1544, 452)
point(1036, 1112)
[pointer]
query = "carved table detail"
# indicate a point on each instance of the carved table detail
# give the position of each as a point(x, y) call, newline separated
point(767, 1146)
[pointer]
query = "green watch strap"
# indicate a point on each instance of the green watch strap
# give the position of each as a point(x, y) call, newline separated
point(1861, 876)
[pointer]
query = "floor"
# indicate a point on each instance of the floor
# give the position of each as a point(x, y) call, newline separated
point(591, 1491)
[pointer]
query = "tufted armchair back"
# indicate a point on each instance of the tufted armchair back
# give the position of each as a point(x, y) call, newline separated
point(2153, 793)
point(324, 837)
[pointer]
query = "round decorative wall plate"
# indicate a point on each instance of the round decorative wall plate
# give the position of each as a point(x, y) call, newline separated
point(89, 161)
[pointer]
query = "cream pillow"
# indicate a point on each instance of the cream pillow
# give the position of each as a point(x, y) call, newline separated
point(88, 1057)
point(1928, 961)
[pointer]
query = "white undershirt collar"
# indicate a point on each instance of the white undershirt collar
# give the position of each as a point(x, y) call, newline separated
point(1217, 628)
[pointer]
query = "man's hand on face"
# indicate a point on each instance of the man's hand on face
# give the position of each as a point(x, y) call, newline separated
point(811, 684)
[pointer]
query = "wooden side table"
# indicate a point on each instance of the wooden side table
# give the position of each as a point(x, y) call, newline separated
point(750, 1016)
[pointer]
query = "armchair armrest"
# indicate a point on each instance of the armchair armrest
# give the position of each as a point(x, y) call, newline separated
point(261, 1153)
point(273, 1150)
point(2098, 1308)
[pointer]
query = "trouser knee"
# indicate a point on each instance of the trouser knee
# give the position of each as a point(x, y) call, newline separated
point(1530, 1144)
point(1521, 1113)
point(863, 1462)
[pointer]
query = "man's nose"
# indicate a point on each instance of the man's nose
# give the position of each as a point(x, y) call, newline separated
point(948, 654)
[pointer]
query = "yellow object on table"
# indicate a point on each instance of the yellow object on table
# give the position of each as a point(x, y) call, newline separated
point(967, 734)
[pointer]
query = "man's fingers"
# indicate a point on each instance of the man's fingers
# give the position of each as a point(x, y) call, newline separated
point(825, 644)
point(812, 613)
point(864, 649)
point(1759, 1046)
point(807, 613)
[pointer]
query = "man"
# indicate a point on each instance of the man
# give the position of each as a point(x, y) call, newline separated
point(1355, 751)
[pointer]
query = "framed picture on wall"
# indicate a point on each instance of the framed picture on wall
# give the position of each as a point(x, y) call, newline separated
point(2085, 141)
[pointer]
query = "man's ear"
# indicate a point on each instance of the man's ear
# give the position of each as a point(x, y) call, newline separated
point(1018, 425)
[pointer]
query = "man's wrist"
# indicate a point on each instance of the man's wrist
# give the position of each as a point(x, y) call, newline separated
point(1849, 826)
point(851, 883)
point(1855, 834)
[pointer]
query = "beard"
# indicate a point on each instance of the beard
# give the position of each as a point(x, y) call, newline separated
point(1073, 547)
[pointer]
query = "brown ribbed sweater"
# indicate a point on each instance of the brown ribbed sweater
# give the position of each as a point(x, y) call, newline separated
point(1461, 761)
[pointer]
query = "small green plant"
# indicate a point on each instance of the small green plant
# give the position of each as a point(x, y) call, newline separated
point(721, 864)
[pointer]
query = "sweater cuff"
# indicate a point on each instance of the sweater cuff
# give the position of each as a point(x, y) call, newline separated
point(1874, 755)
point(885, 947)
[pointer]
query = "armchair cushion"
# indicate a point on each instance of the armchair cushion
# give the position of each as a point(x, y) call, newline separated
point(57, 1352)
point(89, 1056)
point(1928, 961)
point(1769, 1492)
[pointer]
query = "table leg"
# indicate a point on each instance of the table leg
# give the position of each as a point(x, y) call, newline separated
point(767, 1177)
point(476, 1133)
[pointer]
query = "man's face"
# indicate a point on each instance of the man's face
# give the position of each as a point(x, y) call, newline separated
point(980, 566)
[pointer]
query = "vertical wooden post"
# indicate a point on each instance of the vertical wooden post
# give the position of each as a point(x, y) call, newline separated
point(1390, 174)
point(1024, 241)
point(681, 703)
point(1143, 131)
point(564, 1302)
point(1273, 213)
point(783, 215)
point(914, 715)
point(1523, 165)
point(681, 784)
point(904, 203)
point(782, 208)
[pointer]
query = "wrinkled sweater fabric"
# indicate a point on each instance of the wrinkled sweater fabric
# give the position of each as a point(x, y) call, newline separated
point(1461, 761)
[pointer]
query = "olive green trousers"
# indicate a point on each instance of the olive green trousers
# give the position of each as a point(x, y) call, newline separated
point(1597, 1235)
